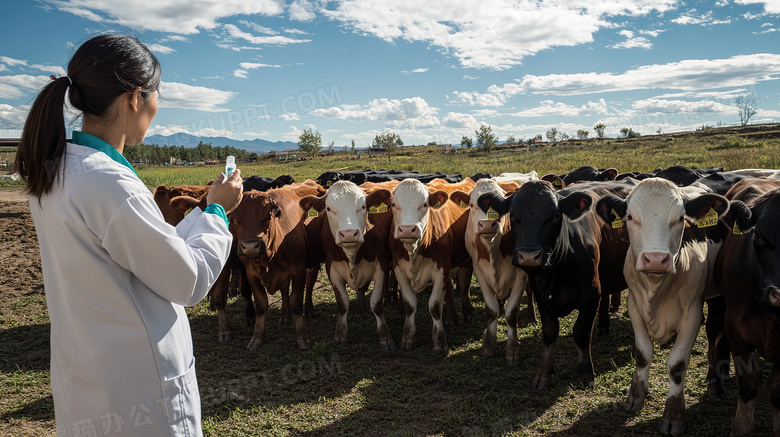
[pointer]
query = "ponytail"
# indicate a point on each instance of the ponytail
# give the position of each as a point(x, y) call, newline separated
point(42, 144)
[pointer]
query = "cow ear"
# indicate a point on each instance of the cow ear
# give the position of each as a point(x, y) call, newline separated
point(701, 206)
point(611, 208)
point(277, 211)
point(494, 201)
point(608, 174)
point(460, 198)
point(309, 202)
point(437, 199)
point(378, 198)
point(575, 204)
point(183, 203)
point(742, 215)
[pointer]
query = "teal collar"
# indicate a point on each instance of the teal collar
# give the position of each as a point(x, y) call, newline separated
point(96, 143)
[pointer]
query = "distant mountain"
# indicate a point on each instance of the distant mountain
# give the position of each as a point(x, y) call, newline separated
point(187, 140)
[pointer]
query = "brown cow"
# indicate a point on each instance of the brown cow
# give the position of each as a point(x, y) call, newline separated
point(427, 241)
point(271, 243)
point(174, 202)
point(747, 271)
point(354, 236)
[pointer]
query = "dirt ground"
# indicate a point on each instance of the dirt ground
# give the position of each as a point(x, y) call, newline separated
point(20, 260)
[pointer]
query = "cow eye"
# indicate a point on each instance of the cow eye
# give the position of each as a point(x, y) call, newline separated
point(557, 215)
point(629, 218)
point(682, 218)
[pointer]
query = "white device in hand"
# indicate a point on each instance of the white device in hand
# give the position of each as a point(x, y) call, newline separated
point(230, 165)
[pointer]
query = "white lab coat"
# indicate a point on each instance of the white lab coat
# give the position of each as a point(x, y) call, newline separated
point(117, 279)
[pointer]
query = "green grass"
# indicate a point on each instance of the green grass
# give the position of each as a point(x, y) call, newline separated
point(358, 389)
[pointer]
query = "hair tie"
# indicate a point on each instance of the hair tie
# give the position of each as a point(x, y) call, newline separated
point(53, 77)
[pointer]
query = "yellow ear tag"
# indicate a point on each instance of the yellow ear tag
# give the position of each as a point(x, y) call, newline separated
point(735, 229)
point(372, 210)
point(312, 213)
point(558, 183)
point(438, 205)
point(187, 212)
point(463, 204)
point(709, 219)
point(617, 223)
point(329, 183)
point(377, 209)
point(492, 214)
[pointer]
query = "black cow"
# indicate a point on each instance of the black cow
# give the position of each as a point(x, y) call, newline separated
point(327, 178)
point(261, 183)
point(585, 173)
point(748, 274)
point(557, 241)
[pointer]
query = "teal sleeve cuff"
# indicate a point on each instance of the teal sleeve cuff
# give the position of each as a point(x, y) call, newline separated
point(216, 208)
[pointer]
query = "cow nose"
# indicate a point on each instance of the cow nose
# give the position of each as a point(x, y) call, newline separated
point(528, 258)
point(349, 236)
point(251, 248)
point(487, 226)
point(656, 262)
point(408, 231)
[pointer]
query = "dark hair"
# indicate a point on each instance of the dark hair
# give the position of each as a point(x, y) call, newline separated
point(101, 70)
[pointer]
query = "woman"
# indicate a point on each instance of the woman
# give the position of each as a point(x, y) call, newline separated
point(117, 277)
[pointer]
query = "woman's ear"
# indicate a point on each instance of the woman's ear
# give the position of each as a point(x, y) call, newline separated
point(135, 96)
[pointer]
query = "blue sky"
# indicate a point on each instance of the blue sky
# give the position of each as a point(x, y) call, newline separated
point(425, 70)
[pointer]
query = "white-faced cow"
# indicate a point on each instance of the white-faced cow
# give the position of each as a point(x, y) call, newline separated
point(489, 243)
point(669, 271)
point(354, 237)
point(427, 241)
point(557, 241)
point(748, 273)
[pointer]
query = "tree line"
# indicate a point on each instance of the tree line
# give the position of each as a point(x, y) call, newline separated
point(154, 154)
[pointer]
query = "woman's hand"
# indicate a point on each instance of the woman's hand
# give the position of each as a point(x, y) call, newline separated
point(226, 192)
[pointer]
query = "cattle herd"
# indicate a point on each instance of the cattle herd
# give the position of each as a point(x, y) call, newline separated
point(676, 238)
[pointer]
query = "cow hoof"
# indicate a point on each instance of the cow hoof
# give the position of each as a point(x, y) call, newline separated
point(441, 348)
point(588, 384)
point(407, 344)
point(511, 362)
point(225, 336)
point(388, 346)
point(633, 405)
point(254, 345)
point(715, 392)
point(486, 352)
point(305, 344)
point(540, 382)
point(672, 428)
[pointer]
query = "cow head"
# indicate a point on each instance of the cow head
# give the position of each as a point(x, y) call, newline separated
point(487, 227)
point(411, 206)
point(329, 178)
point(654, 214)
point(253, 219)
point(536, 216)
point(762, 219)
point(174, 202)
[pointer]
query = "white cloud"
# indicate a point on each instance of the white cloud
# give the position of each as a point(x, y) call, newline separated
point(691, 17)
point(295, 31)
point(13, 117)
point(183, 96)
point(20, 85)
point(55, 69)
point(770, 6)
point(243, 74)
point(460, 121)
point(258, 28)
point(177, 38)
point(630, 43)
point(3, 68)
point(170, 16)
point(548, 108)
point(301, 10)
point(235, 33)
point(161, 49)
point(654, 33)
point(682, 106)
point(11, 62)
point(292, 116)
point(416, 70)
point(406, 113)
point(494, 34)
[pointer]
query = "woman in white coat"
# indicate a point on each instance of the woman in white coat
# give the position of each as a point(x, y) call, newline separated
point(117, 277)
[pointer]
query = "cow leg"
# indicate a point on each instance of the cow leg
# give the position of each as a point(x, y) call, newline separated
point(385, 340)
point(603, 316)
point(246, 293)
point(311, 279)
point(491, 308)
point(529, 294)
point(644, 356)
point(218, 297)
point(450, 315)
point(512, 357)
point(747, 370)
point(342, 305)
point(582, 333)
point(296, 306)
point(285, 293)
point(673, 419)
point(410, 309)
point(615, 301)
point(261, 309)
point(550, 331)
point(435, 304)
point(464, 285)
point(774, 397)
point(718, 350)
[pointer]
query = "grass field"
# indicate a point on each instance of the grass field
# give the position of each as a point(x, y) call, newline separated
point(358, 389)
